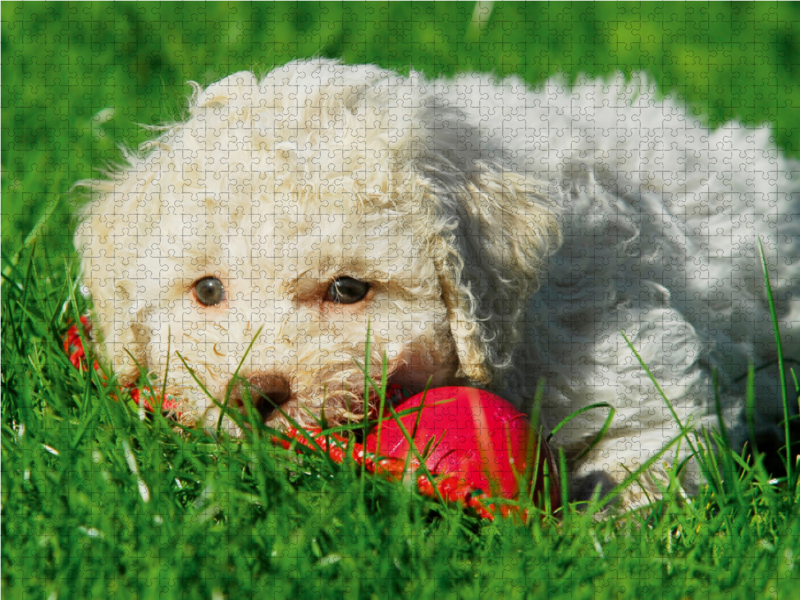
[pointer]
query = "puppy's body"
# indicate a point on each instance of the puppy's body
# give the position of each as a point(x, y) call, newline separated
point(660, 219)
point(453, 201)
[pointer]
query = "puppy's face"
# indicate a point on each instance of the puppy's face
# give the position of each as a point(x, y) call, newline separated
point(290, 286)
point(263, 243)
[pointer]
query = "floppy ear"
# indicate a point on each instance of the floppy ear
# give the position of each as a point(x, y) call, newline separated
point(503, 226)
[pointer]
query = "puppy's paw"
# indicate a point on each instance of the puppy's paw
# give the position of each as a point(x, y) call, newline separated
point(583, 488)
point(644, 491)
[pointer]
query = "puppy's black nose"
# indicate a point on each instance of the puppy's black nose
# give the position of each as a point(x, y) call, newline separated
point(267, 392)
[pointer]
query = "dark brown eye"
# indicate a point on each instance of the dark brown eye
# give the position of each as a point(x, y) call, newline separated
point(346, 290)
point(209, 291)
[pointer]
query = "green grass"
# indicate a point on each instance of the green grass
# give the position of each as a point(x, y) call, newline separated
point(97, 503)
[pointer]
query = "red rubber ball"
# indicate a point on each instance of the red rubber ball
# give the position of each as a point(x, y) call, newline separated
point(476, 435)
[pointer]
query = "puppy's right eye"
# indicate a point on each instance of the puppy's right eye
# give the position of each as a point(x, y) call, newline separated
point(346, 290)
point(209, 291)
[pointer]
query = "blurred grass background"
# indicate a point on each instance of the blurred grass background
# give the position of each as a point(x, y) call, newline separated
point(79, 77)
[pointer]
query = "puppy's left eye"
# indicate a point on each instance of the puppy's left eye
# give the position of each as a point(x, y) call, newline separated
point(346, 290)
point(209, 291)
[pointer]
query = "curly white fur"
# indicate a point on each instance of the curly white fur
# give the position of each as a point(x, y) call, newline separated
point(455, 200)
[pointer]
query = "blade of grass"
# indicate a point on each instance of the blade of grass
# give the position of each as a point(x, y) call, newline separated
point(159, 402)
point(718, 407)
point(600, 435)
point(562, 465)
point(381, 408)
point(661, 393)
point(532, 470)
point(750, 406)
point(233, 378)
point(365, 410)
point(790, 471)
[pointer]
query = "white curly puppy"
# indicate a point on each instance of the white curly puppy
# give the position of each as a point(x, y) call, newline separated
point(292, 214)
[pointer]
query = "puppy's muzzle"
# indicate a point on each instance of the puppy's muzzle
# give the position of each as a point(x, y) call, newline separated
point(267, 392)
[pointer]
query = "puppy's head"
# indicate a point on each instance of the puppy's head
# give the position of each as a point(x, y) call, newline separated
point(252, 247)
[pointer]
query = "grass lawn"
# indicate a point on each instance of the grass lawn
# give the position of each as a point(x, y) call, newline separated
point(98, 502)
